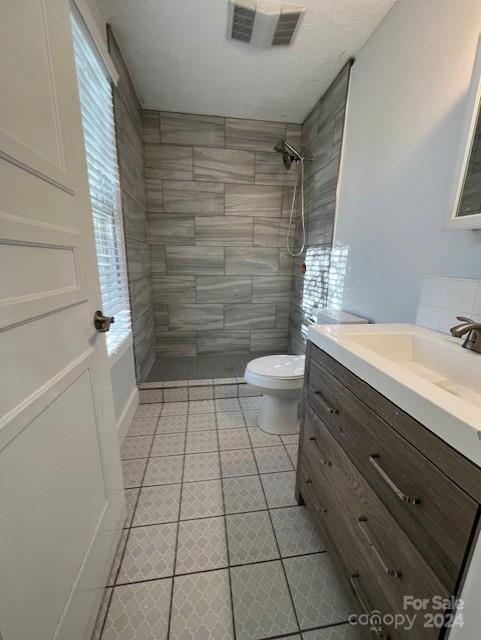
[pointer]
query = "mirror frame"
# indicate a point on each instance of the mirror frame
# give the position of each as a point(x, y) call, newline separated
point(473, 110)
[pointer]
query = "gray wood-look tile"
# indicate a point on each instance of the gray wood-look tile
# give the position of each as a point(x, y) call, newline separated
point(294, 135)
point(193, 197)
point(224, 289)
point(250, 316)
point(171, 229)
point(153, 193)
point(150, 122)
point(195, 260)
point(173, 288)
point(264, 340)
point(176, 343)
point(134, 218)
point(157, 258)
point(161, 317)
point(334, 100)
point(223, 230)
point(282, 315)
point(270, 232)
point(138, 260)
point(192, 130)
point(140, 295)
point(211, 342)
point(251, 261)
point(285, 262)
point(253, 200)
point(271, 288)
point(271, 170)
point(223, 165)
point(168, 162)
point(185, 317)
point(254, 135)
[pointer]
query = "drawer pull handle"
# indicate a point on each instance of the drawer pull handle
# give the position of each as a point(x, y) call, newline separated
point(326, 462)
point(326, 406)
point(402, 496)
point(357, 592)
point(362, 524)
point(314, 501)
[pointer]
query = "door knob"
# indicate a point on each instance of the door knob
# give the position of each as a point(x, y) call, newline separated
point(102, 323)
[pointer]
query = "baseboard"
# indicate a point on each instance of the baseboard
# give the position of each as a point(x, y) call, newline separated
point(128, 412)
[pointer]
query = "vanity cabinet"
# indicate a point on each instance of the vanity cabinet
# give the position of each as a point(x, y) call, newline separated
point(398, 508)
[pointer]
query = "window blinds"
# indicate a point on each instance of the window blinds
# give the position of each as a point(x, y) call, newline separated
point(101, 151)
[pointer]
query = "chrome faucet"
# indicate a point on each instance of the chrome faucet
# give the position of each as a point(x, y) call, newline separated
point(473, 329)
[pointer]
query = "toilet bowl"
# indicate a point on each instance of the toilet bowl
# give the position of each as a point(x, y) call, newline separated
point(280, 380)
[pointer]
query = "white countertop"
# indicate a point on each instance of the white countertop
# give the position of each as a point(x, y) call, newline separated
point(427, 374)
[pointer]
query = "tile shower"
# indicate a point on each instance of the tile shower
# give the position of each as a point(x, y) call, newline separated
point(206, 204)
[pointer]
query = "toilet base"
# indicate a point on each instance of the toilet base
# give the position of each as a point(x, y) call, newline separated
point(279, 416)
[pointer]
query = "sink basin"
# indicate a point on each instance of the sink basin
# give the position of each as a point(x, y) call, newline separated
point(426, 373)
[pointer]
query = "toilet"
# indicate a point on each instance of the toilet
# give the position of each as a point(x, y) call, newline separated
point(280, 379)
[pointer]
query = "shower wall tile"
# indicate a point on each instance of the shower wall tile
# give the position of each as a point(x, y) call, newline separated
point(270, 170)
point(157, 259)
point(223, 165)
point(176, 343)
point(251, 261)
point(196, 316)
point(173, 288)
point(161, 317)
point(264, 340)
point(172, 229)
point(211, 342)
point(282, 315)
point(192, 130)
point(250, 316)
point(195, 260)
point(151, 126)
point(134, 217)
point(168, 162)
point(224, 231)
point(224, 289)
point(193, 197)
point(253, 200)
point(254, 135)
point(271, 288)
point(138, 260)
point(294, 135)
point(270, 232)
point(154, 194)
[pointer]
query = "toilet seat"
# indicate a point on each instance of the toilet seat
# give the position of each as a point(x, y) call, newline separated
point(276, 372)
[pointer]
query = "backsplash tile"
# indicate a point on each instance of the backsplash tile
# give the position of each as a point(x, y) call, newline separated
point(443, 299)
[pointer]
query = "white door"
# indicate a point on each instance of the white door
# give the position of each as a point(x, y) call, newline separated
point(61, 499)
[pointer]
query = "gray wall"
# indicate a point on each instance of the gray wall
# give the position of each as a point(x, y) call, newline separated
point(128, 120)
point(216, 201)
point(322, 133)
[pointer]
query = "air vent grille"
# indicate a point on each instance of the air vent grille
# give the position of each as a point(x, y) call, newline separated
point(243, 23)
point(286, 26)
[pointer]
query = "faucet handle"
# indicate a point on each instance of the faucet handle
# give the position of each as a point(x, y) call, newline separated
point(464, 319)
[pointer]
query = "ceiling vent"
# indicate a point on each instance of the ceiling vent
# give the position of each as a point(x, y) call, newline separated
point(264, 24)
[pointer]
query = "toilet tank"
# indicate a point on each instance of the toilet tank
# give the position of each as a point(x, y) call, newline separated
point(335, 316)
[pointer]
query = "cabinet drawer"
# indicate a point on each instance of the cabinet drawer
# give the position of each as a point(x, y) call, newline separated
point(392, 560)
point(434, 512)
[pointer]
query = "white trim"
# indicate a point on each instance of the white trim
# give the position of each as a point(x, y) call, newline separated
point(123, 423)
point(473, 104)
point(97, 37)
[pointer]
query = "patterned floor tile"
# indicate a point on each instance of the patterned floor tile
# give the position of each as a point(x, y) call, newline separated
point(291, 439)
point(174, 409)
point(227, 404)
point(201, 406)
point(158, 505)
point(238, 463)
point(260, 438)
point(149, 553)
point(201, 422)
point(251, 538)
point(339, 632)
point(201, 500)
point(172, 424)
point(251, 418)
point(168, 444)
point(243, 494)
point(142, 426)
point(317, 593)
point(201, 441)
point(147, 396)
point(201, 466)
point(280, 488)
point(130, 501)
point(271, 459)
point(226, 391)
point(135, 447)
point(292, 452)
point(295, 531)
point(201, 607)
point(133, 470)
point(119, 552)
point(175, 395)
point(139, 612)
point(166, 470)
point(251, 404)
point(201, 545)
point(262, 606)
point(99, 623)
point(234, 439)
point(148, 411)
point(230, 419)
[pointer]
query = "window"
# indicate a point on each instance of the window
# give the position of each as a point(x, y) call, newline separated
point(101, 150)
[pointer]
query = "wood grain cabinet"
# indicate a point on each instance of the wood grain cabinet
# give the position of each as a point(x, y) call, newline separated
point(398, 508)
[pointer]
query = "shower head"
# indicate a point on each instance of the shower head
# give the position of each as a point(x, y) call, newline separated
point(289, 153)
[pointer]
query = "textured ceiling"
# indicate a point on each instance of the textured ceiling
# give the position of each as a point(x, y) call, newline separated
point(181, 60)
